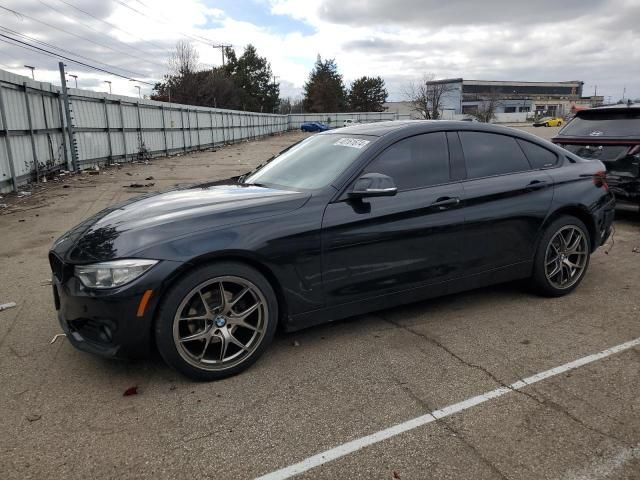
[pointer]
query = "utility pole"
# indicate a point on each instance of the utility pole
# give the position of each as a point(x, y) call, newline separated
point(67, 111)
point(624, 92)
point(222, 47)
point(32, 69)
point(75, 77)
point(109, 82)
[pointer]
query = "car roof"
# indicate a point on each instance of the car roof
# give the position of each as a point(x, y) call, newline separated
point(379, 129)
point(624, 107)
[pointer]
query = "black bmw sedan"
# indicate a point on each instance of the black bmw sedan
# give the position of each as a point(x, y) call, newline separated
point(345, 222)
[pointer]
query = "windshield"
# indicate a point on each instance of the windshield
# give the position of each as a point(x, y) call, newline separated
point(313, 163)
point(614, 124)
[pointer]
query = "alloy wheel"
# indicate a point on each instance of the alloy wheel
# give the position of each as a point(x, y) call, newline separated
point(566, 257)
point(220, 323)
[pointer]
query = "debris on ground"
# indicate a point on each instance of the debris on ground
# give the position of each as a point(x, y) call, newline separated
point(7, 306)
point(149, 178)
point(4, 205)
point(635, 250)
point(396, 475)
point(296, 343)
point(46, 282)
point(23, 193)
point(139, 185)
point(129, 173)
point(130, 391)
point(55, 337)
point(33, 417)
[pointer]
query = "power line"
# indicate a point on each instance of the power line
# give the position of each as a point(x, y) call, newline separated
point(74, 35)
point(113, 25)
point(30, 47)
point(197, 38)
point(27, 37)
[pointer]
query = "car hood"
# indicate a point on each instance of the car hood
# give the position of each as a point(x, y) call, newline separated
point(128, 228)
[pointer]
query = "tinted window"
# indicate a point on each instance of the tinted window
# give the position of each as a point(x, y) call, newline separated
point(415, 162)
point(538, 156)
point(489, 154)
point(600, 123)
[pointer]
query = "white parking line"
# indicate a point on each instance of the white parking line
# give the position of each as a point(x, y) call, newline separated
point(359, 443)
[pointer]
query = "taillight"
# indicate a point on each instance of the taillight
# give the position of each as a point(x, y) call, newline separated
point(600, 180)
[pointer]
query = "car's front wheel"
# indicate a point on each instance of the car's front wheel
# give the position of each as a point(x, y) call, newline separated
point(562, 257)
point(216, 321)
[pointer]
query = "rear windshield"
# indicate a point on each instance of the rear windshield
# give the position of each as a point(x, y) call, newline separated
point(604, 124)
point(598, 152)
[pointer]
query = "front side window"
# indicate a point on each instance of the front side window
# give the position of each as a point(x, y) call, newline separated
point(313, 163)
point(415, 162)
point(488, 154)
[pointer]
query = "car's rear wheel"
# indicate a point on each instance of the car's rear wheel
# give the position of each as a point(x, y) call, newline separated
point(216, 321)
point(546, 124)
point(562, 257)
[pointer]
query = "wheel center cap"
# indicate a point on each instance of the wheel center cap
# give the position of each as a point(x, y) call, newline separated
point(220, 321)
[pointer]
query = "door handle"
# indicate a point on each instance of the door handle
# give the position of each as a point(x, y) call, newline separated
point(444, 202)
point(537, 184)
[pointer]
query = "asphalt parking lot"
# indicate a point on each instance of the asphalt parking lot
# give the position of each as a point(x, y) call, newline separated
point(65, 416)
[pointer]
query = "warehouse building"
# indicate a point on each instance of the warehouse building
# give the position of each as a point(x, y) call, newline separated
point(515, 101)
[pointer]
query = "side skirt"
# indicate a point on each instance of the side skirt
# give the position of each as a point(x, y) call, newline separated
point(338, 312)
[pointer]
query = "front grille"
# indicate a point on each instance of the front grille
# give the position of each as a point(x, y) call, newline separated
point(59, 269)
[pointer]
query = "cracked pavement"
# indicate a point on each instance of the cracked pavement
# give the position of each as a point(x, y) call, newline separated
point(64, 415)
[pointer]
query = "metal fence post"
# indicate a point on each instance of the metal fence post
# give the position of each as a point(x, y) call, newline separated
point(224, 136)
point(184, 138)
point(7, 140)
point(198, 129)
point(189, 128)
point(124, 134)
point(67, 111)
point(140, 139)
point(67, 160)
point(32, 138)
point(213, 138)
point(164, 131)
point(106, 119)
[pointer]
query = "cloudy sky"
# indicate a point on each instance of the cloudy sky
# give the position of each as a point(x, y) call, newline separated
point(596, 41)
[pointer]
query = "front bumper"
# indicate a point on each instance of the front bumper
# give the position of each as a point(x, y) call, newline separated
point(106, 322)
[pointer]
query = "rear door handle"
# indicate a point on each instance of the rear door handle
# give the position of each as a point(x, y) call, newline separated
point(537, 184)
point(444, 202)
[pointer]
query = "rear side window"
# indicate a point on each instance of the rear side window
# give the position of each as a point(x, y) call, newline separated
point(488, 154)
point(539, 157)
point(415, 162)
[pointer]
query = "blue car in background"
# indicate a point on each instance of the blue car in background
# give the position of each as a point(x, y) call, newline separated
point(313, 127)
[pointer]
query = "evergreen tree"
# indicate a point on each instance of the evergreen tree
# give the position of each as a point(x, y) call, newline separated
point(252, 74)
point(324, 91)
point(367, 94)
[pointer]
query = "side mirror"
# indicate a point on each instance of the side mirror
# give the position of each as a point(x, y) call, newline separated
point(373, 185)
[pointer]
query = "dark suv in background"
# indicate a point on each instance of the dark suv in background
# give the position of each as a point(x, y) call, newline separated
point(612, 135)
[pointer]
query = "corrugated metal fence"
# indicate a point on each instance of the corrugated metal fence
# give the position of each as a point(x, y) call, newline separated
point(35, 138)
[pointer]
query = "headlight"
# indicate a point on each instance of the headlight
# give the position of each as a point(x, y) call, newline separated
point(112, 274)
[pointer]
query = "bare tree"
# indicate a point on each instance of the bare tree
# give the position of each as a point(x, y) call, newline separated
point(427, 96)
point(184, 60)
point(487, 107)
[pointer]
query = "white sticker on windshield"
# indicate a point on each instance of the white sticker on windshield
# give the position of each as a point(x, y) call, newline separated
point(352, 142)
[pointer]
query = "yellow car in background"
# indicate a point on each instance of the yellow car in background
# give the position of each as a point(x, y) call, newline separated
point(549, 122)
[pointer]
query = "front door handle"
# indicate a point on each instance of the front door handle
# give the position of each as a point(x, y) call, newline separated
point(444, 202)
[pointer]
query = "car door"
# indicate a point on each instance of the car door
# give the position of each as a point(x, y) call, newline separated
point(374, 246)
point(506, 200)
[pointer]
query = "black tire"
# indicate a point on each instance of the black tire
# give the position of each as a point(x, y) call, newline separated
point(540, 278)
point(178, 294)
point(546, 124)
